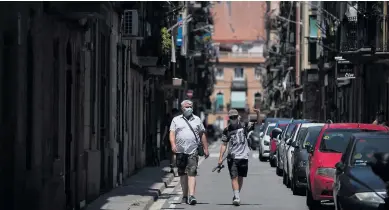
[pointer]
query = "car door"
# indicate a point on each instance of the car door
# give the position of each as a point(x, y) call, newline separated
point(289, 148)
point(302, 133)
point(339, 175)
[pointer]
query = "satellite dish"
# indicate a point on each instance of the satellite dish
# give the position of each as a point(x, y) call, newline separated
point(235, 48)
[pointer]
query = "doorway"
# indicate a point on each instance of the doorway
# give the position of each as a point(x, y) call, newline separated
point(68, 119)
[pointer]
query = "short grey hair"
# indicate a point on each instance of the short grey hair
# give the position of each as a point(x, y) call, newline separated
point(186, 102)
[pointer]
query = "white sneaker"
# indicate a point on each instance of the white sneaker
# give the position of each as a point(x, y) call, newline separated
point(236, 201)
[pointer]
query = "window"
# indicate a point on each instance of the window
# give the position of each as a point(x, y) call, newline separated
point(312, 52)
point(364, 150)
point(336, 140)
point(219, 73)
point(238, 73)
point(257, 100)
point(219, 102)
point(257, 73)
point(220, 122)
point(313, 34)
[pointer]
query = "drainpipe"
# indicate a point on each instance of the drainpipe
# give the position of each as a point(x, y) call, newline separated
point(298, 36)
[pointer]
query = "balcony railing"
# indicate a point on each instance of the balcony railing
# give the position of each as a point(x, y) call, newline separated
point(365, 34)
point(241, 54)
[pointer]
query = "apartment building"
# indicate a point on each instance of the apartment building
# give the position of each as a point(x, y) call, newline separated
point(240, 40)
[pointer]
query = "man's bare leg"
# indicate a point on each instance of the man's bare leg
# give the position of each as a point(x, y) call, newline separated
point(240, 182)
point(236, 190)
point(192, 185)
point(184, 185)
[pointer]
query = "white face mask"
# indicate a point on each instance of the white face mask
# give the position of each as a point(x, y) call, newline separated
point(187, 112)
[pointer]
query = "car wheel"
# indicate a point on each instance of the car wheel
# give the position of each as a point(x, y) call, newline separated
point(296, 190)
point(278, 171)
point(261, 158)
point(284, 178)
point(272, 163)
point(312, 204)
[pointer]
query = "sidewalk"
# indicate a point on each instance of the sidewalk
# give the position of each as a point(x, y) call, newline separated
point(138, 192)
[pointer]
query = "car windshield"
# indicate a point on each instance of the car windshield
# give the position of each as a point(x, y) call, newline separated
point(364, 150)
point(290, 130)
point(269, 129)
point(336, 140)
point(311, 137)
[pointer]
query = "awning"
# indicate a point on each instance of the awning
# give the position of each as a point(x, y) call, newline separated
point(238, 99)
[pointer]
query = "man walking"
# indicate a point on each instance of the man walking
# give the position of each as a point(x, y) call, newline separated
point(235, 135)
point(187, 137)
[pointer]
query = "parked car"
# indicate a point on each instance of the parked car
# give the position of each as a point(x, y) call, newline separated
point(274, 142)
point(298, 178)
point(355, 184)
point(264, 143)
point(273, 120)
point(254, 135)
point(287, 134)
point(289, 150)
point(323, 156)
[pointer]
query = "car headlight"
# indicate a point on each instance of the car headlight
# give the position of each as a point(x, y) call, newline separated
point(369, 197)
point(328, 172)
point(266, 143)
point(302, 163)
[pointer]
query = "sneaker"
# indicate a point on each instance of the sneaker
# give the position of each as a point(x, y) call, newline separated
point(192, 200)
point(236, 201)
point(184, 200)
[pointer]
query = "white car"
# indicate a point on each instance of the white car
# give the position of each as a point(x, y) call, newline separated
point(289, 150)
point(264, 143)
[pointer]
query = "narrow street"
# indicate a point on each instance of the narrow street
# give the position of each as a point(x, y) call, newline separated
point(262, 189)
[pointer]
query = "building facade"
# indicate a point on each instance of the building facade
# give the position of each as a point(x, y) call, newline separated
point(84, 91)
point(240, 44)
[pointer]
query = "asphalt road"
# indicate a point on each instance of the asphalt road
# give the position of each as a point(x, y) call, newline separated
point(262, 189)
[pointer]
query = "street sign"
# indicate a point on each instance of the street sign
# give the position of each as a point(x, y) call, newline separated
point(345, 70)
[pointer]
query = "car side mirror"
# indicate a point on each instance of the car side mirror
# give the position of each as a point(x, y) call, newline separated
point(309, 149)
point(339, 166)
point(294, 144)
point(289, 142)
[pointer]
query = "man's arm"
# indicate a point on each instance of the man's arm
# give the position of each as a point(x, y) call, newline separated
point(203, 137)
point(172, 136)
point(258, 115)
point(223, 146)
point(205, 142)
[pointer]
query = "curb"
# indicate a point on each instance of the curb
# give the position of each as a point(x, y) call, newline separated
point(156, 191)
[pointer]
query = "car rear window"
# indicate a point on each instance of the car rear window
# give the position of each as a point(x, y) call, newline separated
point(269, 129)
point(311, 137)
point(290, 130)
point(336, 140)
point(364, 150)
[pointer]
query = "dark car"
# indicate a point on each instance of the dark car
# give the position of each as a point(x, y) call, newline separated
point(300, 155)
point(355, 184)
point(286, 134)
point(282, 124)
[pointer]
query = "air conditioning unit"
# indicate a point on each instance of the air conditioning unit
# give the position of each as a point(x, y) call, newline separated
point(130, 23)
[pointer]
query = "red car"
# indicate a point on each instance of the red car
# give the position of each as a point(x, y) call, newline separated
point(273, 145)
point(323, 156)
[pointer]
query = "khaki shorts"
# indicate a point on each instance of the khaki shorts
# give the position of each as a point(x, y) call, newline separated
point(187, 164)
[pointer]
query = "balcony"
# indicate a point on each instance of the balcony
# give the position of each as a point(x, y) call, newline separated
point(239, 84)
point(240, 57)
point(364, 39)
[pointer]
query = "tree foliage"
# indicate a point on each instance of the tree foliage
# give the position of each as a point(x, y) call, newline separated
point(166, 41)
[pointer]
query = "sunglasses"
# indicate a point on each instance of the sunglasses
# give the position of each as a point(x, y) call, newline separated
point(234, 117)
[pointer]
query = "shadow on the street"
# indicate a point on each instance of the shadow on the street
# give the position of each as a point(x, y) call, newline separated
point(242, 204)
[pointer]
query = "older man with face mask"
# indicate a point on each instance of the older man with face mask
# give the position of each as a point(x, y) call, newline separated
point(235, 135)
point(187, 132)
